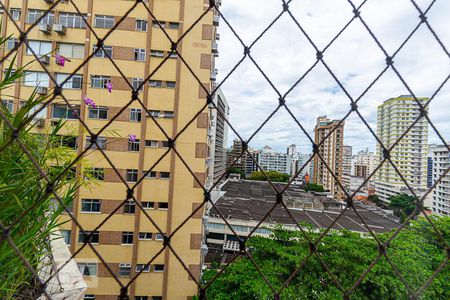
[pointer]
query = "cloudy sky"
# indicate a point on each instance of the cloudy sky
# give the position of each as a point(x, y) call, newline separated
point(284, 54)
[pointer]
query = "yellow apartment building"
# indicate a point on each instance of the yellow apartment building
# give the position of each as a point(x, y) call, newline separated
point(127, 240)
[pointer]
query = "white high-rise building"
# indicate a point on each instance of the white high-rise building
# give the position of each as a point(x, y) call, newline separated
point(270, 160)
point(346, 166)
point(218, 133)
point(441, 194)
point(363, 164)
point(394, 117)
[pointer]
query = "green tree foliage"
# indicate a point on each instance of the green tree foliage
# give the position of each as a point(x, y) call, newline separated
point(403, 205)
point(416, 253)
point(273, 175)
point(235, 170)
point(314, 187)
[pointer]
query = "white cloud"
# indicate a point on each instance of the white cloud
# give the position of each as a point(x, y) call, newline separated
point(284, 54)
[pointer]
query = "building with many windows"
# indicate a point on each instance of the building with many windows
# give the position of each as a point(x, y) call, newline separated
point(218, 133)
point(168, 101)
point(441, 193)
point(409, 155)
point(330, 133)
point(363, 164)
point(269, 160)
point(346, 166)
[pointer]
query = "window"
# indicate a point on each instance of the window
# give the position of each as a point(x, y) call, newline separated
point(104, 21)
point(164, 175)
point(66, 141)
point(98, 81)
point(39, 47)
point(88, 269)
point(159, 237)
point(36, 79)
point(101, 141)
point(168, 114)
point(15, 14)
point(163, 205)
point(137, 83)
point(140, 297)
point(145, 235)
point(151, 174)
point(135, 114)
point(74, 82)
point(90, 205)
point(132, 175)
point(158, 24)
point(174, 25)
point(11, 43)
point(159, 268)
point(9, 104)
point(141, 25)
point(145, 268)
point(154, 113)
point(170, 84)
point(156, 53)
point(151, 143)
point(66, 236)
point(127, 237)
point(165, 144)
point(82, 238)
point(96, 173)
point(100, 113)
point(102, 52)
point(129, 207)
point(133, 146)
point(89, 297)
point(72, 20)
point(155, 83)
point(34, 15)
point(71, 50)
point(139, 54)
point(124, 270)
point(62, 111)
point(148, 205)
point(173, 55)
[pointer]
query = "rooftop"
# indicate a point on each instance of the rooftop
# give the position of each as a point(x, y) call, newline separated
point(251, 200)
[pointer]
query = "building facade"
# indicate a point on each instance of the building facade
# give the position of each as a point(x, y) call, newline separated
point(441, 193)
point(218, 133)
point(331, 132)
point(346, 166)
point(269, 160)
point(170, 99)
point(363, 164)
point(394, 117)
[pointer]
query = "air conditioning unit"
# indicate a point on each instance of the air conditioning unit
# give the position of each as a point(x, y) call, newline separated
point(42, 90)
point(45, 28)
point(59, 28)
point(45, 59)
point(40, 123)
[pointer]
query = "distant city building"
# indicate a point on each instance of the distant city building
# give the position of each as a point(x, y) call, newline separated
point(309, 167)
point(394, 117)
point(218, 138)
point(269, 160)
point(431, 149)
point(441, 194)
point(331, 151)
point(363, 164)
point(292, 150)
point(346, 166)
point(245, 162)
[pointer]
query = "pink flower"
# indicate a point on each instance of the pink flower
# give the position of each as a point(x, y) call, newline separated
point(132, 137)
point(109, 87)
point(60, 60)
point(89, 102)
